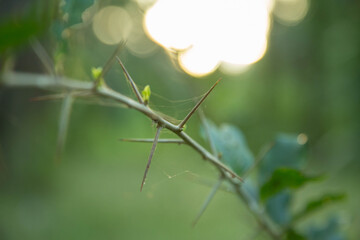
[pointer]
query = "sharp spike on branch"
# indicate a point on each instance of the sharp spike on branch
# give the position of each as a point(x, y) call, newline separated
point(109, 62)
point(131, 81)
point(63, 125)
point(151, 155)
point(181, 125)
point(43, 56)
point(209, 198)
point(149, 140)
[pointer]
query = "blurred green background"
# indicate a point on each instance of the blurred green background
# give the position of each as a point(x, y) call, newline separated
point(307, 82)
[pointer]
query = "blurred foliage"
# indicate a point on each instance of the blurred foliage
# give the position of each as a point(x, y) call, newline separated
point(308, 82)
point(18, 25)
point(231, 146)
point(284, 178)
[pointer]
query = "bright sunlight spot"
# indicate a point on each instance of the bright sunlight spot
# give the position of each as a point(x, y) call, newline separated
point(194, 63)
point(210, 33)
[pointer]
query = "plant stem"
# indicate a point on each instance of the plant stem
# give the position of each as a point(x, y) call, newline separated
point(149, 140)
point(47, 82)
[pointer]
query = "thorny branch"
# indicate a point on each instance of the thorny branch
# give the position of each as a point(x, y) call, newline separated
point(99, 89)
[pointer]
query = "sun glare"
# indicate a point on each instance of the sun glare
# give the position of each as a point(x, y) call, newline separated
point(206, 34)
point(211, 33)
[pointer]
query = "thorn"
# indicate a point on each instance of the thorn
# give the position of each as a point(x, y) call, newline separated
point(151, 155)
point(110, 61)
point(209, 198)
point(131, 81)
point(44, 57)
point(181, 125)
point(63, 125)
point(148, 140)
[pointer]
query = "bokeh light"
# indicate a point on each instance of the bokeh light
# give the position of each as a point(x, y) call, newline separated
point(290, 12)
point(211, 33)
point(112, 24)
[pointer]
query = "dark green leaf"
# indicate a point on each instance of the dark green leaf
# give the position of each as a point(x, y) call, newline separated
point(232, 147)
point(291, 234)
point(19, 28)
point(284, 178)
point(286, 152)
point(315, 205)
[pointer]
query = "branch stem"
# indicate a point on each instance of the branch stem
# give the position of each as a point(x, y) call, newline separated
point(149, 140)
point(48, 82)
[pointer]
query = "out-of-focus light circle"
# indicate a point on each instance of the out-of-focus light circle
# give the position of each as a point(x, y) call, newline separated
point(138, 43)
point(290, 12)
point(233, 31)
point(112, 24)
point(302, 139)
point(194, 63)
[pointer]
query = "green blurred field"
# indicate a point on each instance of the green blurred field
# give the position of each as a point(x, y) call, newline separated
point(308, 82)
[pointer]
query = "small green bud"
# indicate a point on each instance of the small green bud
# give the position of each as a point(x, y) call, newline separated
point(96, 72)
point(146, 94)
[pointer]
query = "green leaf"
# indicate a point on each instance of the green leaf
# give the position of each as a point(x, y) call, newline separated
point(18, 28)
point(291, 234)
point(317, 204)
point(231, 145)
point(146, 93)
point(96, 72)
point(284, 178)
point(286, 152)
point(328, 232)
point(278, 206)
